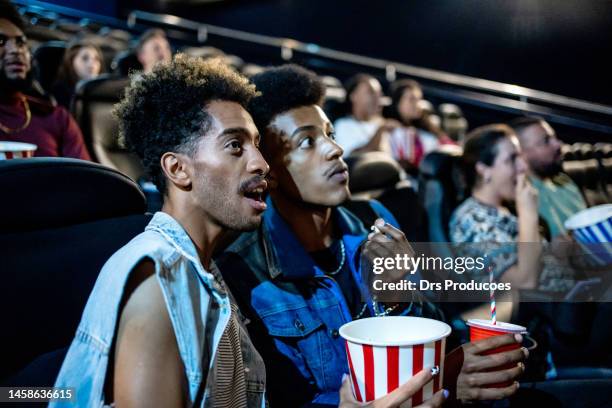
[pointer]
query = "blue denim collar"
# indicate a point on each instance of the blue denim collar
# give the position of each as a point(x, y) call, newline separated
point(176, 235)
point(286, 256)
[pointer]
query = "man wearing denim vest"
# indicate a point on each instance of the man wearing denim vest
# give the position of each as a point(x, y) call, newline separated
point(160, 329)
point(298, 277)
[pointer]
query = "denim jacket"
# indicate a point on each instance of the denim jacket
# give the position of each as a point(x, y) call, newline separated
point(294, 308)
point(198, 307)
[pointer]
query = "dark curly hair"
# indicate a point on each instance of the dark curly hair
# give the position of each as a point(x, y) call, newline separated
point(164, 110)
point(283, 88)
point(9, 12)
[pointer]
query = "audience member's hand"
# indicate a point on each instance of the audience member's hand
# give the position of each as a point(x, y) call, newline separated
point(562, 246)
point(391, 124)
point(474, 379)
point(386, 241)
point(396, 397)
point(526, 197)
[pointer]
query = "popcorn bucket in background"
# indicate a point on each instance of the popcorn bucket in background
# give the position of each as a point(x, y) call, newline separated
point(483, 329)
point(592, 229)
point(385, 352)
point(16, 150)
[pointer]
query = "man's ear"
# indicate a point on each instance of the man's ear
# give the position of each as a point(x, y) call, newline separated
point(176, 167)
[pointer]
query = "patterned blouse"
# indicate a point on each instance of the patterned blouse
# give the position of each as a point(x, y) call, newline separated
point(496, 234)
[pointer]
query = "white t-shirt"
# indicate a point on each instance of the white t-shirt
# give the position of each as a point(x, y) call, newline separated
point(352, 134)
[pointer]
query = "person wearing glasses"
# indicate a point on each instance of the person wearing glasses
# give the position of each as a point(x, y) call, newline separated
point(24, 118)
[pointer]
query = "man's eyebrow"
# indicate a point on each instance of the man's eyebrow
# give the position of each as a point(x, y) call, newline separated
point(234, 131)
point(303, 128)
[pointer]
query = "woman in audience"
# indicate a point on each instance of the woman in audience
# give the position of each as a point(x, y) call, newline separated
point(364, 129)
point(495, 174)
point(82, 61)
point(418, 134)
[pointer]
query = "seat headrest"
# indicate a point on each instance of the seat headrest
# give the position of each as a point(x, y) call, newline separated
point(45, 192)
point(106, 87)
point(440, 162)
point(372, 171)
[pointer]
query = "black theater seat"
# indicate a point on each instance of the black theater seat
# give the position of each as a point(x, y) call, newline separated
point(587, 175)
point(48, 58)
point(442, 189)
point(62, 220)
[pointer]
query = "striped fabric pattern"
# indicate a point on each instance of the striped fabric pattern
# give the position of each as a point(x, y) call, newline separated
point(394, 366)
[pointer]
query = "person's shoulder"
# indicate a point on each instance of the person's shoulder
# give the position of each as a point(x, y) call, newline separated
point(465, 212)
point(344, 121)
point(241, 253)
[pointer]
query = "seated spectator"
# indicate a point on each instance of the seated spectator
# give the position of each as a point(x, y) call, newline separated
point(26, 118)
point(560, 197)
point(159, 328)
point(365, 129)
point(418, 135)
point(82, 61)
point(153, 47)
point(297, 278)
point(495, 173)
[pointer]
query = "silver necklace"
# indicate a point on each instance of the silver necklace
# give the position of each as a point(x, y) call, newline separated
point(342, 256)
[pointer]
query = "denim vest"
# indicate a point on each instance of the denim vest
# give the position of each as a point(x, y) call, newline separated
point(198, 306)
point(294, 307)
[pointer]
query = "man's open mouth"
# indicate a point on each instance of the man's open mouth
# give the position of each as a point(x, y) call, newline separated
point(255, 195)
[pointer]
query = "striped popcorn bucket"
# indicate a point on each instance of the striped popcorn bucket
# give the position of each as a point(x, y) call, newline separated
point(385, 352)
point(592, 229)
point(16, 150)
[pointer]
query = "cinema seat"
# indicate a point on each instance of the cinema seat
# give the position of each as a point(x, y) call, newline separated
point(442, 189)
point(48, 58)
point(92, 109)
point(61, 221)
point(587, 174)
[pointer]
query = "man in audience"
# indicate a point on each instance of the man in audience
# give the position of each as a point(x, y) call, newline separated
point(160, 328)
point(153, 47)
point(25, 118)
point(298, 277)
point(365, 129)
point(560, 197)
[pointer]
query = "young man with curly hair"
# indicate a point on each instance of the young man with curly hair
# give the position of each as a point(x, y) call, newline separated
point(160, 329)
point(298, 276)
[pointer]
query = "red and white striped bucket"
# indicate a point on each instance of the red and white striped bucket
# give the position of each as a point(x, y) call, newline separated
point(16, 150)
point(385, 352)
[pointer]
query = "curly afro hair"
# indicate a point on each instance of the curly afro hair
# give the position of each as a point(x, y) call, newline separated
point(165, 110)
point(283, 88)
point(9, 12)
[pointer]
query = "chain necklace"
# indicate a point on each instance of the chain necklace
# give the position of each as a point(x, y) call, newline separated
point(28, 119)
point(342, 256)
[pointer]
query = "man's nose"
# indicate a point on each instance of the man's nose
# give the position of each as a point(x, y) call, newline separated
point(257, 164)
point(333, 150)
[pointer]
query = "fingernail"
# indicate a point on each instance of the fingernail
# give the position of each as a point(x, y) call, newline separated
point(344, 377)
point(522, 366)
point(518, 338)
point(435, 370)
point(380, 222)
point(525, 351)
point(445, 392)
point(518, 385)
